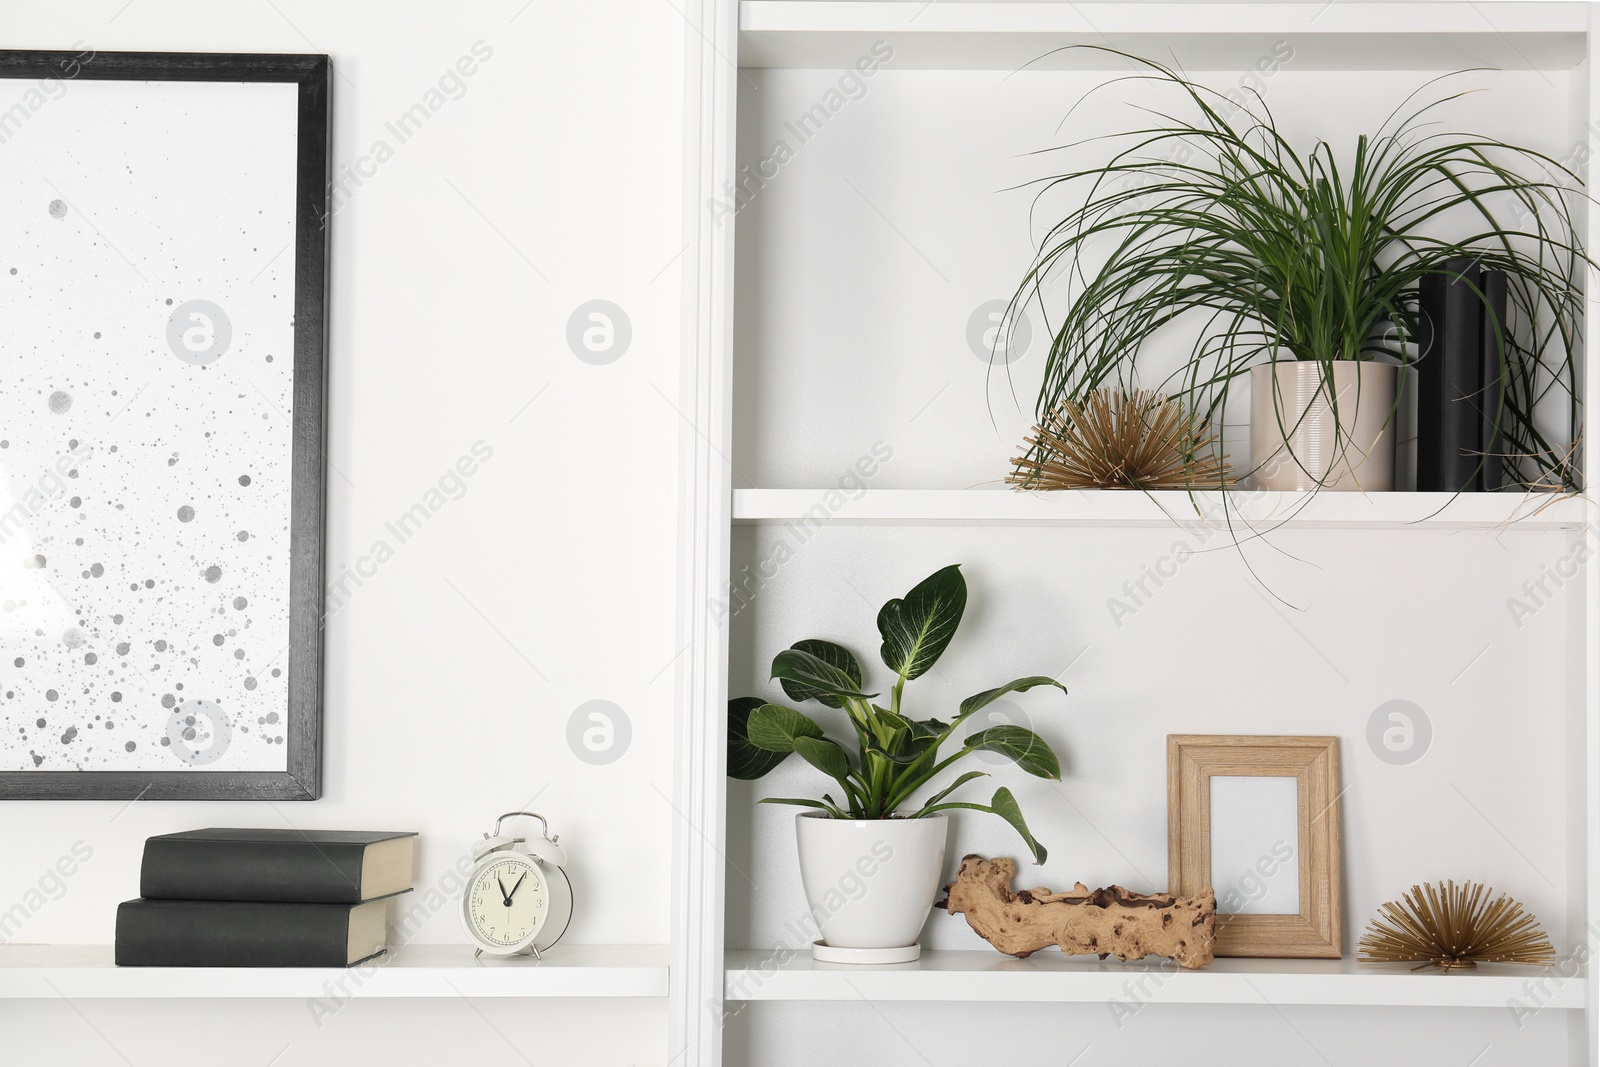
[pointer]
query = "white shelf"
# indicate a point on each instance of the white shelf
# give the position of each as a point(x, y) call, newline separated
point(1246, 512)
point(48, 972)
point(1050, 976)
point(1005, 36)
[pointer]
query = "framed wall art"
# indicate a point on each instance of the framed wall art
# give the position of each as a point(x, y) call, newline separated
point(163, 284)
point(1257, 820)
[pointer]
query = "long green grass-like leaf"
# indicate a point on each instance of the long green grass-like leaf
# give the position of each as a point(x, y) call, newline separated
point(1284, 254)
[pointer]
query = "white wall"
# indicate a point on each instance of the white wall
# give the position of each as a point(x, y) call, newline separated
point(452, 674)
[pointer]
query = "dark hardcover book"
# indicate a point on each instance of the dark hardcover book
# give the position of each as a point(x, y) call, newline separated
point(232, 933)
point(1450, 380)
point(305, 866)
point(1492, 423)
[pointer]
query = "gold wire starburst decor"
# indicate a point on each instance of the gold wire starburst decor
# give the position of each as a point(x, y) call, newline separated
point(1455, 927)
point(1114, 439)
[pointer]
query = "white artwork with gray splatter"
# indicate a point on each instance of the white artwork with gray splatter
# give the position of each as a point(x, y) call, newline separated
point(146, 362)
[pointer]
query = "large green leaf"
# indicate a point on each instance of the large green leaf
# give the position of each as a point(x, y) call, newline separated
point(978, 701)
point(911, 737)
point(745, 761)
point(925, 734)
point(1005, 806)
point(774, 728)
point(815, 674)
point(836, 656)
point(953, 786)
point(803, 802)
point(1020, 744)
point(917, 628)
point(888, 731)
point(824, 755)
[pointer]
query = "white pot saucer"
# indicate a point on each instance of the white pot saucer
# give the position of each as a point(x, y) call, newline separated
point(828, 954)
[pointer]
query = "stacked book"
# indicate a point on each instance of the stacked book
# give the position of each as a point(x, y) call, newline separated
point(263, 898)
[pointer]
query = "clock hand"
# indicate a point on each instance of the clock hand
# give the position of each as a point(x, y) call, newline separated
point(504, 896)
point(517, 886)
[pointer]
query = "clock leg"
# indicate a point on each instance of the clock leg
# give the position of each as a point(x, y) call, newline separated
point(536, 955)
point(476, 953)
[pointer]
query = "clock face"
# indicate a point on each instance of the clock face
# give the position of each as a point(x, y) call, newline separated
point(506, 903)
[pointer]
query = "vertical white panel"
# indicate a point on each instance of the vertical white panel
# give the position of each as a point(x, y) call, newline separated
point(706, 513)
point(1583, 653)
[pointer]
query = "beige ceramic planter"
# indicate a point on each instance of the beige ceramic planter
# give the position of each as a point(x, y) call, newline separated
point(1299, 442)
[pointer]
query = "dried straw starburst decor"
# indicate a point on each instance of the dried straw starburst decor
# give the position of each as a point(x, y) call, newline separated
point(1455, 927)
point(1120, 440)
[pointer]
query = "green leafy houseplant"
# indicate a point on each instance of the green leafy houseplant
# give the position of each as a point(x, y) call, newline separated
point(897, 755)
point(1285, 255)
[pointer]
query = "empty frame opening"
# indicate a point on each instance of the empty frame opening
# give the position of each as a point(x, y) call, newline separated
point(1255, 855)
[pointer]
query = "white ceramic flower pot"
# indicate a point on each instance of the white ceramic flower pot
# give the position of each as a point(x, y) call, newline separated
point(1301, 441)
point(870, 883)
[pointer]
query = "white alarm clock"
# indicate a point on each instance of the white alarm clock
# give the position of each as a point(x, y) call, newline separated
point(517, 898)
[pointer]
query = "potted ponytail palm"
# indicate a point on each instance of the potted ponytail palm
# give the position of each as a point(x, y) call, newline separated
point(871, 858)
point(1302, 270)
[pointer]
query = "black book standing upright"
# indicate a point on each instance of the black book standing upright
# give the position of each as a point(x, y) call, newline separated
point(1459, 379)
point(1493, 393)
point(1449, 379)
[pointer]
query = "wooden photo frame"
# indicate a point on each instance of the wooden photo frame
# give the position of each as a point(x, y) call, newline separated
point(165, 293)
point(1242, 767)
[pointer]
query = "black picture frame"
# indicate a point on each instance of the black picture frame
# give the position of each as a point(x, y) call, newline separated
point(302, 778)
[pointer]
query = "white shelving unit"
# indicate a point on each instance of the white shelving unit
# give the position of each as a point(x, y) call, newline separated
point(86, 972)
point(814, 316)
point(1051, 978)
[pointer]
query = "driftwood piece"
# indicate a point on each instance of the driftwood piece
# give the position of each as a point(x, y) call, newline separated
point(1106, 922)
